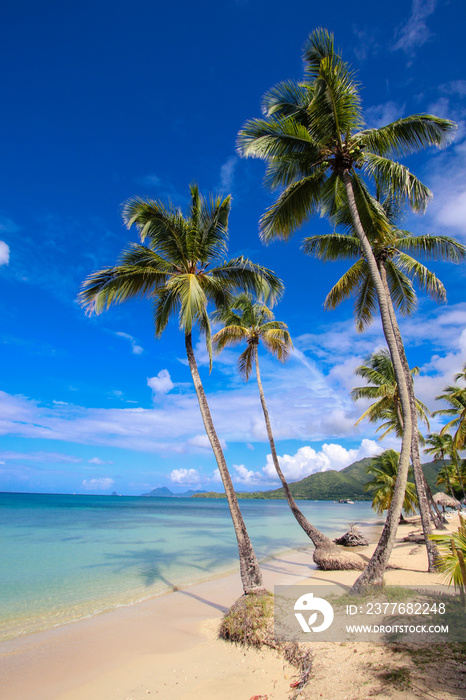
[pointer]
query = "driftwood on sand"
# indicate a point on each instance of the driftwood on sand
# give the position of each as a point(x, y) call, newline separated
point(352, 538)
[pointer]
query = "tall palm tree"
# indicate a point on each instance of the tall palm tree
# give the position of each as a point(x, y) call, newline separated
point(181, 270)
point(313, 138)
point(394, 250)
point(253, 322)
point(384, 470)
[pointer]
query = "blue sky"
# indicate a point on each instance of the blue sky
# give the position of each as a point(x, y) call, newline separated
point(105, 101)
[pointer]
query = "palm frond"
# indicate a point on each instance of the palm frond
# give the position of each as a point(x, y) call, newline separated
point(395, 177)
point(293, 207)
point(409, 135)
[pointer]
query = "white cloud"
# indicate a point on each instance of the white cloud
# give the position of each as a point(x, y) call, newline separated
point(102, 484)
point(380, 115)
point(98, 461)
point(308, 461)
point(415, 32)
point(162, 383)
point(185, 476)
point(4, 253)
point(136, 349)
point(245, 476)
point(227, 172)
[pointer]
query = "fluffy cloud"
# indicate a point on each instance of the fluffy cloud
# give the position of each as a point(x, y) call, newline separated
point(102, 484)
point(307, 461)
point(4, 253)
point(162, 383)
point(98, 461)
point(185, 476)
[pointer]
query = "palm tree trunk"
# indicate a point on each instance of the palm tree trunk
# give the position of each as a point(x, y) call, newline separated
point(373, 573)
point(447, 476)
point(312, 532)
point(432, 551)
point(251, 575)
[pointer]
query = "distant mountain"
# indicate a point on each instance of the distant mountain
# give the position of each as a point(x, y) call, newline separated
point(163, 492)
point(332, 485)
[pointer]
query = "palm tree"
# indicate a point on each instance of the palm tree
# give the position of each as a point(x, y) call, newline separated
point(393, 252)
point(378, 370)
point(181, 270)
point(384, 470)
point(456, 397)
point(246, 320)
point(313, 139)
point(441, 445)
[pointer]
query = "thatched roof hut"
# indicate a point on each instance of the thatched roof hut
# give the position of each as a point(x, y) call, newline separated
point(444, 500)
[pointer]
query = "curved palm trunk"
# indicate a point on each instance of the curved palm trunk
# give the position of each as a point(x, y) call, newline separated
point(251, 575)
point(312, 532)
point(373, 573)
point(432, 551)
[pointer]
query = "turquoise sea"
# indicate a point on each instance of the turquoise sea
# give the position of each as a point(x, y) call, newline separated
point(64, 557)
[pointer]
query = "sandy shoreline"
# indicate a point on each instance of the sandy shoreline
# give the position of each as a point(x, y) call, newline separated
point(167, 646)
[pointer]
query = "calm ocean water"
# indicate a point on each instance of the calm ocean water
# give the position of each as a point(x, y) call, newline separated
point(68, 557)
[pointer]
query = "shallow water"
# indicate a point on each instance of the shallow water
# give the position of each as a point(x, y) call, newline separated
point(65, 557)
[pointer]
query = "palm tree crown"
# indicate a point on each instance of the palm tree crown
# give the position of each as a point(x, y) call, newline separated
point(182, 268)
point(251, 321)
point(394, 249)
point(378, 370)
point(312, 133)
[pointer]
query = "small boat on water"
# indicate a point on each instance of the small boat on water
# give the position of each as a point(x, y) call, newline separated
point(344, 500)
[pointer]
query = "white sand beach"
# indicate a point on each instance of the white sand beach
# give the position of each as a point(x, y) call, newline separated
point(167, 647)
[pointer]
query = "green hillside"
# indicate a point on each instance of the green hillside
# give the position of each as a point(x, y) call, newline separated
point(332, 485)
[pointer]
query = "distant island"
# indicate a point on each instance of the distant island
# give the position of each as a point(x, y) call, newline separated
point(163, 492)
point(331, 485)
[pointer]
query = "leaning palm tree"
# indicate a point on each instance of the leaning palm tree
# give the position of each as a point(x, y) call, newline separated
point(181, 270)
point(383, 470)
point(313, 139)
point(252, 322)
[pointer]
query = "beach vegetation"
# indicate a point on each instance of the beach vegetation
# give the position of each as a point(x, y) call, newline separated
point(317, 150)
point(180, 266)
